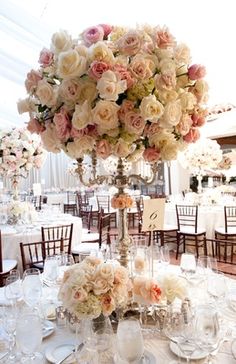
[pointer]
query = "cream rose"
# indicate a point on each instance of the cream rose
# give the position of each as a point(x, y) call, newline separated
point(130, 43)
point(88, 91)
point(101, 285)
point(162, 138)
point(46, 93)
point(82, 116)
point(50, 140)
point(80, 146)
point(61, 42)
point(167, 65)
point(166, 96)
point(200, 91)
point(188, 101)
point(105, 114)
point(184, 125)
point(142, 67)
point(71, 64)
point(151, 109)
point(26, 105)
point(172, 114)
point(182, 54)
point(173, 287)
point(69, 90)
point(105, 271)
point(122, 149)
point(110, 86)
point(169, 151)
point(100, 52)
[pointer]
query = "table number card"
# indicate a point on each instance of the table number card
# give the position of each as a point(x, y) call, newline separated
point(153, 214)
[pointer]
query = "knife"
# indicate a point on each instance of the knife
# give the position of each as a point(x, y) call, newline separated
point(77, 348)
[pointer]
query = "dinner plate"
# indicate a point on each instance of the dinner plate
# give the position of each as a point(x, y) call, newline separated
point(48, 328)
point(196, 355)
point(59, 351)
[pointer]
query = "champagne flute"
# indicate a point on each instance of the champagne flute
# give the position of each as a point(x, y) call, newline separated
point(27, 342)
point(130, 344)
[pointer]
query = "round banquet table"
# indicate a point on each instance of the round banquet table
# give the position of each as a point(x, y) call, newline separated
point(158, 345)
point(13, 235)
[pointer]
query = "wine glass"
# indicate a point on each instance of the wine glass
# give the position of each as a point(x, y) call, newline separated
point(9, 323)
point(130, 344)
point(32, 287)
point(29, 337)
point(216, 286)
point(206, 264)
point(207, 329)
point(13, 288)
point(50, 269)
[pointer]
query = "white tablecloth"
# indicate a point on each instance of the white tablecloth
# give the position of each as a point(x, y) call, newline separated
point(11, 238)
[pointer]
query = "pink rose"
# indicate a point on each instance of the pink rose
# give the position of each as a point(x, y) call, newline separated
point(31, 82)
point(93, 35)
point(97, 68)
point(134, 123)
point(124, 74)
point(196, 72)
point(198, 120)
point(164, 38)
point(74, 133)
point(192, 136)
point(63, 125)
point(150, 291)
point(106, 28)
point(45, 57)
point(151, 154)
point(121, 275)
point(80, 295)
point(126, 106)
point(108, 304)
point(166, 81)
point(34, 126)
point(130, 43)
point(103, 149)
point(151, 129)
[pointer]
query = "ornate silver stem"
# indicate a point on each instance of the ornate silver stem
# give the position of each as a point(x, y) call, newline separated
point(120, 181)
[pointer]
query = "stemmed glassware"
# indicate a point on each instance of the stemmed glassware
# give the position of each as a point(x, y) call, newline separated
point(188, 265)
point(32, 287)
point(29, 338)
point(9, 323)
point(13, 288)
point(130, 346)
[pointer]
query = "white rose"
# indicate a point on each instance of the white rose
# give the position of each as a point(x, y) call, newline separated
point(188, 101)
point(166, 96)
point(182, 54)
point(69, 90)
point(71, 64)
point(142, 67)
point(172, 114)
point(173, 287)
point(100, 52)
point(61, 42)
point(105, 114)
point(100, 286)
point(110, 86)
point(164, 53)
point(200, 90)
point(151, 109)
point(105, 271)
point(80, 147)
point(50, 140)
point(46, 93)
point(82, 116)
point(167, 65)
point(28, 166)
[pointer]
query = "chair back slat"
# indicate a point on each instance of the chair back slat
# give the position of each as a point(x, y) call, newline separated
point(224, 252)
point(230, 217)
point(187, 215)
point(58, 233)
point(70, 209)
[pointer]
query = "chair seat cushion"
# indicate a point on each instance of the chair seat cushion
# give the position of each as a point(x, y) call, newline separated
point(8, 265)
point(90, 237)
point(167, 227)
point(221, 230)
point(189, 230)
point(85, 248)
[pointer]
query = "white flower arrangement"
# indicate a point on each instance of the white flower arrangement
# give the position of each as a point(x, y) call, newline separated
point(93, 287)
point(17, 210)
point(19, 152)
point(200, 156)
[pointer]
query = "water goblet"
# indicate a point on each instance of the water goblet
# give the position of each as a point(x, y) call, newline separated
point(188, 265)
point(130, 346)
point(32, 287)
point(26, 342)
point(13, 288)
point(9, 323)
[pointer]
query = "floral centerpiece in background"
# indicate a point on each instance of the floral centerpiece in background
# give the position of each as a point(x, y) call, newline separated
point(19, 152)
point(116, 91)
point(92, 288)
point(24, 211)
point(201, 156)
point(225, 163)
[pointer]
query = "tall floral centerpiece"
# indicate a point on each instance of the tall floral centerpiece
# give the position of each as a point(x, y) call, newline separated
point(201, 156)
point(19, 152)
point(130, 93)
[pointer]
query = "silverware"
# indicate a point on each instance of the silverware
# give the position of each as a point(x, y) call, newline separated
point(76, 349)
